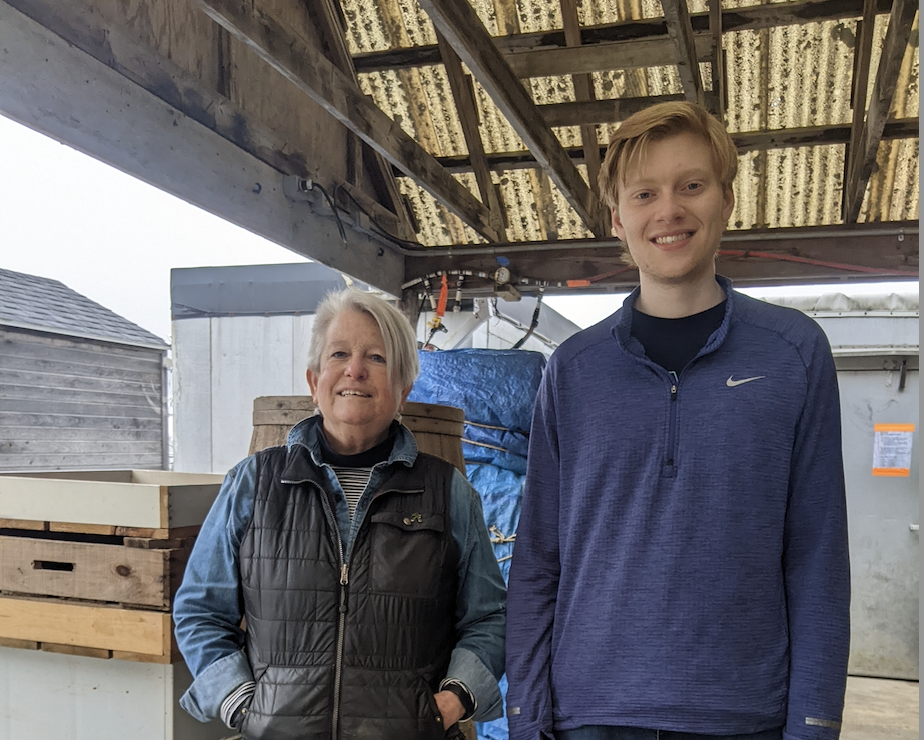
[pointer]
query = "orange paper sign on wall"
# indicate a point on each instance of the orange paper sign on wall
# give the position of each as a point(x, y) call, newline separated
point(892, 446)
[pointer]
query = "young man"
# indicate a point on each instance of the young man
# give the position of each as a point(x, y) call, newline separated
point(681, 566)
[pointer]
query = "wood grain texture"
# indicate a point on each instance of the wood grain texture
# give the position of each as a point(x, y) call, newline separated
point(681, 33)
point(96, 572)
point(457, 21)
point(880, 101)
point(92, 626)
point(317, 77)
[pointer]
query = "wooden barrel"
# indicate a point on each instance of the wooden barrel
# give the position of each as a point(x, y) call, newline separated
point(437, 429)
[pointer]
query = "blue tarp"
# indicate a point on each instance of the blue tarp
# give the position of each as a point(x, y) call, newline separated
point(497, 390)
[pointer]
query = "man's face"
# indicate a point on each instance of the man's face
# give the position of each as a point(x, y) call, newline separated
point(673, 209)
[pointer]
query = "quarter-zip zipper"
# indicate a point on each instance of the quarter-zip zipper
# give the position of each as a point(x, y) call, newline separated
point(672, 430)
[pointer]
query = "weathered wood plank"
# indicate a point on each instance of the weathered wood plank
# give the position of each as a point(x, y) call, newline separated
point(753, 17)
point(463, 95)
point(635, 54)
point(86, 571)
point(86, 652)
point(50, 406)
point(9, 418)
point(748, 141)
point(317, 77)
point(63, 380)
point(583, 92)
point(96, 626)
point(133, 129)
point(681, 33)
point(457, 21)
point(49, 352)
point(890, 60)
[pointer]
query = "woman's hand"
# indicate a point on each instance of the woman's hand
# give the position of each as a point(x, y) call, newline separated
point(450, 708)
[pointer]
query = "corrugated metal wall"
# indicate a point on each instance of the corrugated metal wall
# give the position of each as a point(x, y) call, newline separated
point(68, 403)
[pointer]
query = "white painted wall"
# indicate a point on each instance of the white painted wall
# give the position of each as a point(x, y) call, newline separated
point(220, 366)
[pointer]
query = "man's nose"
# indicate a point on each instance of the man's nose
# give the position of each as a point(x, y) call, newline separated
point(670, 208)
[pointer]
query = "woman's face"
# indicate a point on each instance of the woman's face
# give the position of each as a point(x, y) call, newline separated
point(352, 389)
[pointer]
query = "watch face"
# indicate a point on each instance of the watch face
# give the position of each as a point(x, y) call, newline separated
point(502, 275)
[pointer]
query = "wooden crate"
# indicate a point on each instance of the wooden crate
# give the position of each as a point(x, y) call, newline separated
point(143, 503)
point(89, 565)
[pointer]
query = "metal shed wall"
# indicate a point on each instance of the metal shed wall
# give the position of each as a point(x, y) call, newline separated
point(70, 403)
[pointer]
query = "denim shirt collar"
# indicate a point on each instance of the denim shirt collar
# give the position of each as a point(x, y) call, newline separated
point(307, 434)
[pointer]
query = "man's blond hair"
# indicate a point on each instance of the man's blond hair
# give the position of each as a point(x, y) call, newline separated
point(630, 142)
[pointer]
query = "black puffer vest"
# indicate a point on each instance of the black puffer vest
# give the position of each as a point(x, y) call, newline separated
point(356, 650)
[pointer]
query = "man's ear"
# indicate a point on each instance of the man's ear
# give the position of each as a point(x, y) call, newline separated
point(728, 204)
point(617, 224)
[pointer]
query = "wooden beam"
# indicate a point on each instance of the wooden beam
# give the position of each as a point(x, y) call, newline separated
point(862, 56)
point(463, 95)
point(867, 142)
point(736, 19)
point(681, 33)
point(140, 113)
point(462, 28)
point(331, 25)
point(816, 254)
point(583, 92)
point(635, 54)
point(749, 141)
point(313, 74)
point(718, 59)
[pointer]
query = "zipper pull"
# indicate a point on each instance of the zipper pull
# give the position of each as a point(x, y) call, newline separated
point(675, 381)
point(344, 580)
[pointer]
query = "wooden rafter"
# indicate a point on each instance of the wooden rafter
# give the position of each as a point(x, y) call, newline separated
point(718, 59)
point(681, 33)
point(862, 57)
point(329, 20)
point(583, 92)
point(893, 51)
point(467, 109)
point(748, 141)
point(661, 52)
point(604, 56)
point(316, 76)
point(457, 21)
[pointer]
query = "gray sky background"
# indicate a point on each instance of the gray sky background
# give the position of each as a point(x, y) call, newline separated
point(67, 216)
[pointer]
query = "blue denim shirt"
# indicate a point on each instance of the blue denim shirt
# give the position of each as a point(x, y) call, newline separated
point(208, 607)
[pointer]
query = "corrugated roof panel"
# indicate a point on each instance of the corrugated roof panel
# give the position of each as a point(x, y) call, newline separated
point(785, 77)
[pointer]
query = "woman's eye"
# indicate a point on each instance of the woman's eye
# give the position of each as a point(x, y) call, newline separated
point(378, 358)
point(694, 186)
point(643, 196)
point(338, 355)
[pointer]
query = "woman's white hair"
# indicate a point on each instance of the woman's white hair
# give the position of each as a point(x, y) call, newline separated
point(397, 334)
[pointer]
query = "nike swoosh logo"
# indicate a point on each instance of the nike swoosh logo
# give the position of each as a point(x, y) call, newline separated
point(732, 383)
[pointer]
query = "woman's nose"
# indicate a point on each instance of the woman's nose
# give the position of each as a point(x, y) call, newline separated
point(356, 367)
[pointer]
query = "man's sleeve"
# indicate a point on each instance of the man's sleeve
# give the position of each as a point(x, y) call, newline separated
point(816, 561)
point(207, 610)
point(477, 660)
point(534, 574)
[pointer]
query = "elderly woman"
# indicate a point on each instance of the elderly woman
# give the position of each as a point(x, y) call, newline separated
point(374, 606)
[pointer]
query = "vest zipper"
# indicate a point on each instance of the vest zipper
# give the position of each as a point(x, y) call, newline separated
point(341, 622)
point(672, 432)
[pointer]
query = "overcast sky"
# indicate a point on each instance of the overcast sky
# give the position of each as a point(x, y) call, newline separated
point(113, 238)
